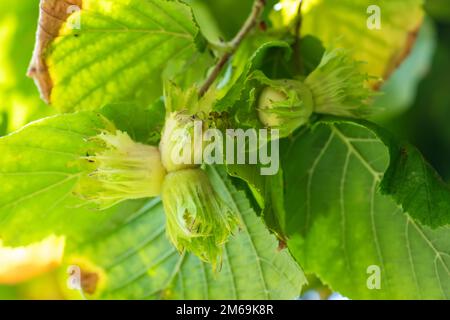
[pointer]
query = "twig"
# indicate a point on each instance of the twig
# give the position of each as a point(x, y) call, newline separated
point(298, 26)
point(250, 23)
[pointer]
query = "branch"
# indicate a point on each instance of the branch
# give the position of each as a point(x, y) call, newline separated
point(250, 23)
point(298, 26)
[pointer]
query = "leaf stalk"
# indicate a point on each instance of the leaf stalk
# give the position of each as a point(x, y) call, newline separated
point(249, 24)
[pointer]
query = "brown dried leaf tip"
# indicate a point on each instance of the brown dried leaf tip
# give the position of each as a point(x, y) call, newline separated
point(53, 14)
point(398, 57)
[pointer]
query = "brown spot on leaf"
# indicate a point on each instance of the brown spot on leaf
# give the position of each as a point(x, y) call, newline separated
point(53, 14)
point(281, 245)
point(89, 281)
point(263, 26)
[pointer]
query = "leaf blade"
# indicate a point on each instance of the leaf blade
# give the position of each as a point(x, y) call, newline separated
point(40, 167)
point(346, 23)
point(119, 53)
point(153, 269)
point(333, 201)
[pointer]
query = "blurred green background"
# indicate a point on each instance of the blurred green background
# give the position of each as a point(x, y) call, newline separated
point(415, 105)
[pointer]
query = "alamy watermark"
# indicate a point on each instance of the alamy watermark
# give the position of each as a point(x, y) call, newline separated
point(237, 146)
point(75, 22)
point(374, 19)
point(374, 280)
point(74, 280)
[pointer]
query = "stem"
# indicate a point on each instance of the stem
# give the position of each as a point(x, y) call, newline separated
point(250, 23)
point(298, 26)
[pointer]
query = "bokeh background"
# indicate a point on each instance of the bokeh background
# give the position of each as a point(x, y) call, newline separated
point(415, 105)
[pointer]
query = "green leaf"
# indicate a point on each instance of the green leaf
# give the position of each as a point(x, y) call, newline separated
point(238, 95)
point(230, 14)
point(312, 51)
point(275, 59)
point(39, 168)
point(417, 187)
point(341, 224)
point(143, 123)
point(41, 165)
point(268, 192)
point(190, 71)
point(9, 293)
point(119, 53)
point(140, 263)
point(345, 23)
point(248, 58)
